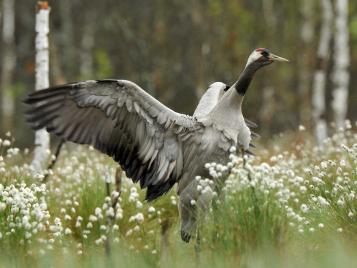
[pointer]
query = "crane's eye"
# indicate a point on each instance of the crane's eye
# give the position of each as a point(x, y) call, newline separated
point(265, 53)
point(227, 87)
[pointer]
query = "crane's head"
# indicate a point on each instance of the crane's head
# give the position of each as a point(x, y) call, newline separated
point(262, 57)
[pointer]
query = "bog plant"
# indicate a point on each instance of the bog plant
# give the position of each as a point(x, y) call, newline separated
point(287, 200)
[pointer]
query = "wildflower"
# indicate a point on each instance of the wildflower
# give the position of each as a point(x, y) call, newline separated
point(324, 165)
point(110, 212)
point(99, 241)
point(303, 189)
point(139, 217)
point(339, 230)
point(129, 232)
point(98, 211)
point(115, 194)
point(107, 177)
point(151, 209)
point(173, 199)
point(341, 202)
point(93, 218)
point(6, 143)
point(304, 208)
point(139, 204)
point(321, 225)
point(322, 201)
point(119, 214)
point(2, 206)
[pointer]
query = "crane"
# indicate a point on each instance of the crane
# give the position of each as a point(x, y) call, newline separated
point(155, 145)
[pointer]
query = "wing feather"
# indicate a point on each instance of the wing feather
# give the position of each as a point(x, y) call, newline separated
point(120, 119)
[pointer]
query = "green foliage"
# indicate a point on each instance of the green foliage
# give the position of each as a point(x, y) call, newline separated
point(103, 64)
point(353, 27)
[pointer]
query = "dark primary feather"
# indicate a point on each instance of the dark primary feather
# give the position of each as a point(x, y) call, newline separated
point(120, 119)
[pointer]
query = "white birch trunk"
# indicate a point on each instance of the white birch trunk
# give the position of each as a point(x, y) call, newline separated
point(42, 138)
point(341, 74)
point(8, 64)
point(319, 83)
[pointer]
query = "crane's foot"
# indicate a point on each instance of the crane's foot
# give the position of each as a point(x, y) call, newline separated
point(185, 236)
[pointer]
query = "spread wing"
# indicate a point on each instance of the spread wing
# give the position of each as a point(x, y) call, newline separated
point(209, 99)
point(121, 120)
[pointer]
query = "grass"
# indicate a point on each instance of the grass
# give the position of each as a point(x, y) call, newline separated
point(292, 205)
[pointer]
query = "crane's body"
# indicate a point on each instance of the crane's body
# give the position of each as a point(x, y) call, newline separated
point(154, 145)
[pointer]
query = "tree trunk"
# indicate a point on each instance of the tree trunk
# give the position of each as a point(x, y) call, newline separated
point(305, 68)
point(8, 64)
point(68, 57)
point(268, 101)
point(341, 74)
point(42, 138)
point(87, 45)
point(319, 83)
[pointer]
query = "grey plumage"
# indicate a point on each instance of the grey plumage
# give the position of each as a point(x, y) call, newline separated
point(156, 146)
point(209, 99)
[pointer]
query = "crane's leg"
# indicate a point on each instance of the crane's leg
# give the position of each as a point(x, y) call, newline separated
point(188, 216)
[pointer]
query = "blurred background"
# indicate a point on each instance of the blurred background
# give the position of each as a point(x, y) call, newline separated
point(175, 49)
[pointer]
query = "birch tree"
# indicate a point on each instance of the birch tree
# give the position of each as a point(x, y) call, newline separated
point(42, 138)
point(341, 75)
point(319, 83)
point(8, 64)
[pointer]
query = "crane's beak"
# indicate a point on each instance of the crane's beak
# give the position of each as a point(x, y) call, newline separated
point(277, 58)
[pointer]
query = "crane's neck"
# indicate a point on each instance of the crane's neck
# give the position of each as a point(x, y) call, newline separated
point(228, 112)
point(243, 82)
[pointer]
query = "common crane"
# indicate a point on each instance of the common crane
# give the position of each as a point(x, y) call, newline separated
point(153, 144)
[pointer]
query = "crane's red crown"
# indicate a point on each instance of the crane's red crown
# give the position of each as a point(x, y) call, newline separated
point(260, 49)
